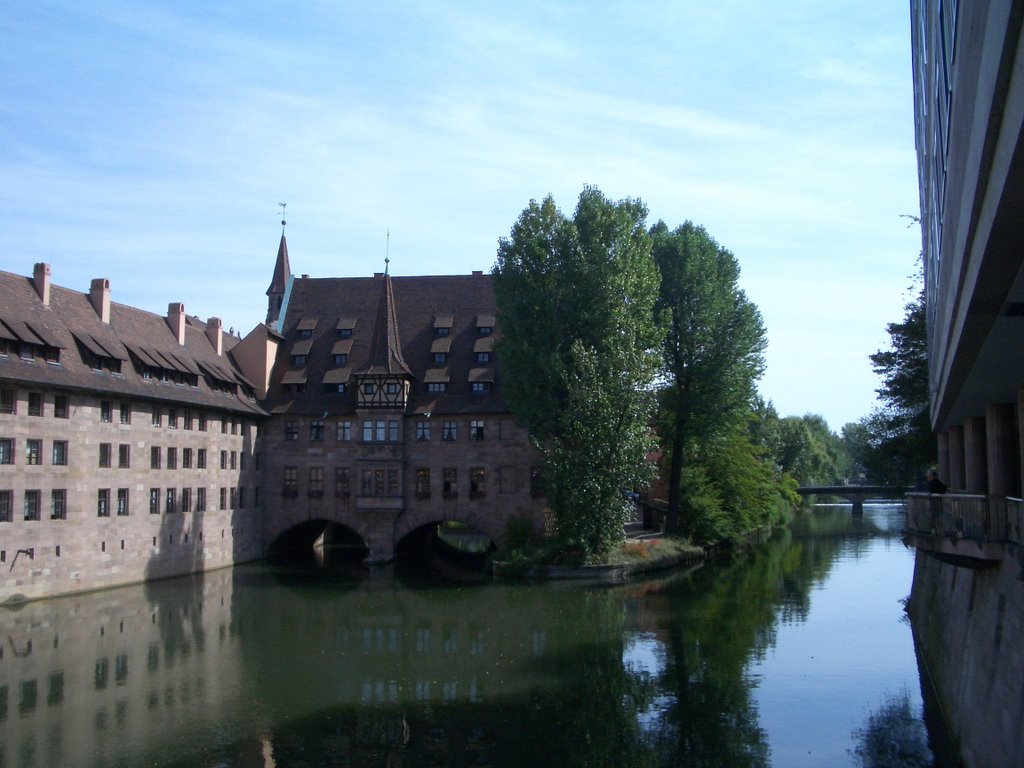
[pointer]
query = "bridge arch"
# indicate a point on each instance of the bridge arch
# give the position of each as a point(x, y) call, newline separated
point(491, 525)
point(302, 537)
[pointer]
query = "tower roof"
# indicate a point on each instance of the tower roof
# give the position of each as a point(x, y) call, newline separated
point(282, 269)
point(386, 347)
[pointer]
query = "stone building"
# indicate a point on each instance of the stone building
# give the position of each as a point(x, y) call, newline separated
point(135, 446)
point(126, 442)
point(386, 411)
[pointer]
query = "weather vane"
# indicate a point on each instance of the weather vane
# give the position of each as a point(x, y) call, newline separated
point(282, 206)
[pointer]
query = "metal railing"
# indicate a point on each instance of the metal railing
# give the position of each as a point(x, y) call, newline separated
point(985, 519)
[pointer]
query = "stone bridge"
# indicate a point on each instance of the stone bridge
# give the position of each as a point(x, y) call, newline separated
point(382, 523)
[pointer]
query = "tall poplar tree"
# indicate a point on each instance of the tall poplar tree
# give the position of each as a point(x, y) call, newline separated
point(579, 351)
point(713, 351)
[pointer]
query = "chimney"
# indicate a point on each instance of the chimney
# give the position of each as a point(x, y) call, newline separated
point(41, 280)
point(176, 320)
point(99, 297)
point(215, 333)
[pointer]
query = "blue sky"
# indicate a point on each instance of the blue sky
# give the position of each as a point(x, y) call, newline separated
point(150, 143)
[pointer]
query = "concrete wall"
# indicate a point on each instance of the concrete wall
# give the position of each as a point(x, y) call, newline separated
point(968, 625)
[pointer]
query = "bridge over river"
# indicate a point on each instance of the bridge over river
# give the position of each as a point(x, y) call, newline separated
point(856, 494)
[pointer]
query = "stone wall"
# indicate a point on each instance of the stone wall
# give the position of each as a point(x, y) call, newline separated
point(968, 624)
point(109, 448)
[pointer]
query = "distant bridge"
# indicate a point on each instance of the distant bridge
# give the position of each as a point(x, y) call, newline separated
point(856, 494)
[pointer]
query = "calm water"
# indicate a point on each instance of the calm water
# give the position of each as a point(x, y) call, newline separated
point(781, 656)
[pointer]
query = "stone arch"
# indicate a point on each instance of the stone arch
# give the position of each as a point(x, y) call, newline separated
point(298, 519)
point(485, 521)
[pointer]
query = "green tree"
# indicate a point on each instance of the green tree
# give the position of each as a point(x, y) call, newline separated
point(811, 452)
point(579, 352)
point(899, 442)
point(714, 347)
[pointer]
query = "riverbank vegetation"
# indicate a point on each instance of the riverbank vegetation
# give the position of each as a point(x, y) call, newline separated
point(630, 352)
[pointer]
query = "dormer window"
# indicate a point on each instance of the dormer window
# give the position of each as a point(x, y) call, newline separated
point(343, 330)
point(369, 388)
point(484, 325)
point(298, 360)
point(306, 326)
point(440, 358)
point(483, 357)
point(442, 325)
point(341, 359)
point(484, 330)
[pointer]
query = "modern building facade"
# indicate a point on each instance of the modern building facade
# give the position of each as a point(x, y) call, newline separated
point(967, 603)
point(136, 446)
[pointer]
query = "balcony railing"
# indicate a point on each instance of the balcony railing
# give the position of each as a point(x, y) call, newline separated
point(964, 525)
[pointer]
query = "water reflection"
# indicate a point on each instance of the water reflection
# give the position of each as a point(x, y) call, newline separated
point(262, 666)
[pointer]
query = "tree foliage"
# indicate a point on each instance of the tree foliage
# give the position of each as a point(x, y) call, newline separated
point(579, 352)
point(897, 443)
point(714, 354)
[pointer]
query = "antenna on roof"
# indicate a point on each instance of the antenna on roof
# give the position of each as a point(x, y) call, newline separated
point(387, 251)
point(282, 206)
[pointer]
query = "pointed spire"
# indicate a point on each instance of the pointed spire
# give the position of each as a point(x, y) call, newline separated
point(282, 274)
point(386, 347)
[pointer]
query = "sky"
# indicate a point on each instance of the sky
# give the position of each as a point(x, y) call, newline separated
point(151, 142)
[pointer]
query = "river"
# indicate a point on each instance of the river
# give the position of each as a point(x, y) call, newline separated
point(795, 653)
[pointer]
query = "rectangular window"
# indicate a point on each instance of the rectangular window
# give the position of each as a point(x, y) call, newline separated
point(341, 359)
point(60, 406)
point(480, 387)
point(170, 507)
point(105, 454)
point(379, 486)
point(5, 506)
point(60, 453)
point(124, 456)
point(423, 483)
point(483, 357)
point(200, 499)
point(223, 459)
point(378, 431)
point(31, 505)
point(316, 430)
point(7, 401)
point(476, 430)
point(154, 501)
point(290, 484)
point(344, 433)
point(393, 486)
point(172, 458)
point(316, 482)
point(223, 498)
point(186, 499)
point(234, 459)
point(440, 358)
point(103, 502)
point(122, 502)
point(172, 418)
point(126, 413)
point(106, 413)
point(35, 403)
point(369, 388)
point(341, 482)
point(485, 330)
point(6, 450)
point(224, 425)
point(450, 485)
point(422, 430)
point(189, 419)
point(450, 431)
point(366, 485)
point(392, 431)
point(59, 504)
point(154, 457)
point(436, 386)
point(201, 458)
point(157, 417)
point(33, 451)
point(367, 431)
point(202, 421)
point(477, 490)
point(186, 458)
point(234, 426)
point(291, 430)
point(234, 496)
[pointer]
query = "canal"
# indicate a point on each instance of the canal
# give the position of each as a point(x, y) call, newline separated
point(795, 653)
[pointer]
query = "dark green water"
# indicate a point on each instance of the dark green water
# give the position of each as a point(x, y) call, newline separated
point(779, 656)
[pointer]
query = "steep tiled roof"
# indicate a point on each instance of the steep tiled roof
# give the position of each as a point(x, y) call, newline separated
point(133, 336)
point(386, 347)
point(416, 303)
